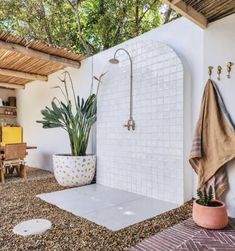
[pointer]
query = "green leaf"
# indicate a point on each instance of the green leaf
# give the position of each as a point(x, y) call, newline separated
point(104, 24)
point(77, 120)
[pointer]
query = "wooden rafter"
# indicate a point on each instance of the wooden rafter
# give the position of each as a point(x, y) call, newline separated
point(11, 85)
point(175, 1)
point(39, 55)
point(188, 11)
point(23, 75)
point(23, 61)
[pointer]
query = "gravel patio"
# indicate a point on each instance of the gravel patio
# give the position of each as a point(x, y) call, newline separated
point(19, 202)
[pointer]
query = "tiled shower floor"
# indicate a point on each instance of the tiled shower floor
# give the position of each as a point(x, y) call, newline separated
point(109, 207)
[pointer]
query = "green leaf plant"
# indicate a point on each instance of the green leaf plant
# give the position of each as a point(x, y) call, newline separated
point(75, 115)
point(204, 197)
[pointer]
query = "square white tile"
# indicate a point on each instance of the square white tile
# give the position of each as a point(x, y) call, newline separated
point(109, 207)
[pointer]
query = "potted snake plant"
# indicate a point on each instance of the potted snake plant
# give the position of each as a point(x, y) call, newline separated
point(76, 116)
point(208, 212)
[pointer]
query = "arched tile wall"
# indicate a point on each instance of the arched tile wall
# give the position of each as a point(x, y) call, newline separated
point(149, 160)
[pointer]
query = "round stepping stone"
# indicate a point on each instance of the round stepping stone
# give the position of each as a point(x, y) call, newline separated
point(32, 227)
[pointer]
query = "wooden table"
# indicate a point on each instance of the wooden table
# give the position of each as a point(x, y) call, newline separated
point(27, 148)
point(30, 147)
point(21, 168)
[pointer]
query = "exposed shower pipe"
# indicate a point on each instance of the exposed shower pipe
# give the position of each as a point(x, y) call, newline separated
point(130, 123)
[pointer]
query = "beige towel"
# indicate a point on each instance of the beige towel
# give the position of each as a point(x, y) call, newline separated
point(213, 143)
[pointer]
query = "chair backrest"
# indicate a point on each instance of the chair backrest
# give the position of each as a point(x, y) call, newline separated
point(15, 151)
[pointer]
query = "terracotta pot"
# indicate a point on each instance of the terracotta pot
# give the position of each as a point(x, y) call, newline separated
point(210, 217)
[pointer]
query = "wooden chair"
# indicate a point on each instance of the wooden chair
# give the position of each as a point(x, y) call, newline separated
point(13, 158)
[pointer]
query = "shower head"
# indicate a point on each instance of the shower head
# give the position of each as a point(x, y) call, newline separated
point(114, 61)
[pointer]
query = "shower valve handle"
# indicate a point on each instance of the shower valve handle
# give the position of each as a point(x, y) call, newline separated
point(130, 124)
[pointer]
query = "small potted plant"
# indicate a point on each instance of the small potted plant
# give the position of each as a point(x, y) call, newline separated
point(208, 212)
point(76, 116)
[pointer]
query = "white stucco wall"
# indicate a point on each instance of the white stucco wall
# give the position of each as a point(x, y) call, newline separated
point(219, 41)
point(197, 49)
point(181, 35)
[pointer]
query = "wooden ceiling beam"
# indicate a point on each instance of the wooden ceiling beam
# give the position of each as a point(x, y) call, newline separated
point(11, 85)
point(175, 1)
point(22, 75)
point(188, 11)
point(39, 55)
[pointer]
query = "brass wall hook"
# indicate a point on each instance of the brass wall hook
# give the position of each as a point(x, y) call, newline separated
point(229, 69)
point(219, 71)
point(210, 69)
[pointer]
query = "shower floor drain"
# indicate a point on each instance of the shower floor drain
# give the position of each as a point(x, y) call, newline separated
point(32, 227)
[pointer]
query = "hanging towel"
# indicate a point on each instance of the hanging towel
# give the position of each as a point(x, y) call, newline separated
point(213, 143)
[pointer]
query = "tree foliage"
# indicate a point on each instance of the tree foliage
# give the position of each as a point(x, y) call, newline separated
point(85, 26)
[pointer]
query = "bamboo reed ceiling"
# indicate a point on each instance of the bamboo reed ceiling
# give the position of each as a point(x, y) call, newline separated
point(203, 12)
point(22, 61)
point(213, 9)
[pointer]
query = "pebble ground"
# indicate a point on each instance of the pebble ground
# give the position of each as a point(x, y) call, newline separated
point(18, 202)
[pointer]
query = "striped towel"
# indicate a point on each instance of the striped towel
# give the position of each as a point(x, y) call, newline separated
point(213, 143)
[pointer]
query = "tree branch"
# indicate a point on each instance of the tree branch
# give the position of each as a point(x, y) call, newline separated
point(85, 44)
point(145, 12)
point(167, 15)
point(137, 18)
point(46, 25)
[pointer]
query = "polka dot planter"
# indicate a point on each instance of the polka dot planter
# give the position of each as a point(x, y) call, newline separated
point(73, 171)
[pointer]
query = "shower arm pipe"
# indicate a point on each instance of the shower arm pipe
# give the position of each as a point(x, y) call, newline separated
point(131, 80)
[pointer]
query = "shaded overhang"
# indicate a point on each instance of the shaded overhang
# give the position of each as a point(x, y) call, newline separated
point(23, 61)
point(202, 12)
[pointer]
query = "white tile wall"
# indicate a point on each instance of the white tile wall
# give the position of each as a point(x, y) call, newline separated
point(149, 160)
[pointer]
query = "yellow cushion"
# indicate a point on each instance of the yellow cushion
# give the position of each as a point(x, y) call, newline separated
point(12, 135)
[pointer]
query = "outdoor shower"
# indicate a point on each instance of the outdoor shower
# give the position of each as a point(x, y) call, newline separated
point(130, 123)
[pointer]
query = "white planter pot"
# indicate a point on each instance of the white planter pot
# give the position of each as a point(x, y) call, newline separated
point(73, 171)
